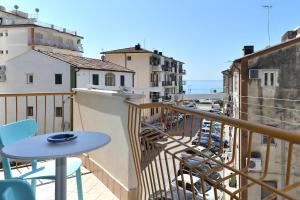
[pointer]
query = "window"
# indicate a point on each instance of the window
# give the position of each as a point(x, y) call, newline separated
point(253, 74)
point(272, 79)
point(128, 58)
point(6, 33)
point(30, 111)
point(122, 80)
point(265, 191)
point(1, 51)
point(58, 112)
point(58, 79)
point(6, 51)
point(266, 79)
point(29, 78)
point(1, 34)
point(152, 111)
point(188, 187)
point(110, 79)
point(265, 140)
point(95, 79)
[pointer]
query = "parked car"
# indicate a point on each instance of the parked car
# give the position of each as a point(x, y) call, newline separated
point(205, 123)
point(208, 189)
point(203, 150)
point(200, 168)
point(214, 137)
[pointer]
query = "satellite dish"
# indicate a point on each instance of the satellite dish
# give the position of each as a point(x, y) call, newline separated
point(37, 10)
point(16, 7)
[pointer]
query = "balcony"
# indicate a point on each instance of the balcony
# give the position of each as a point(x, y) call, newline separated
point(157, 159)
point(166, 159)
point(58, 44)
point(154, 84)
point(166, 68)
point(182, 82)
point(166, 83)
point(34, 21)
point(156, 68)
point(182, 71)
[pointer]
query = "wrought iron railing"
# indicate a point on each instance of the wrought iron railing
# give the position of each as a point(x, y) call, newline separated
point(169, 164)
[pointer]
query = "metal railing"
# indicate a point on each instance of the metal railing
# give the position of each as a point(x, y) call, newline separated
point(50, 110)
point(34, 21)
point(169, 164)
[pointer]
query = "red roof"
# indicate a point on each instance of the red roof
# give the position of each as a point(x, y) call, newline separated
point(88, 63)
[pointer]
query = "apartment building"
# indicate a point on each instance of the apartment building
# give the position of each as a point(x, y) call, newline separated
point(158, 77)
point(263, 87)
point(37, 57)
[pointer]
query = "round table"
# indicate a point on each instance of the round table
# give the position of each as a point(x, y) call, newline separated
point(38, 148)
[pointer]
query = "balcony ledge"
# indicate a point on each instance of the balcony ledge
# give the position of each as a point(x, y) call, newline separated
point(125, 95)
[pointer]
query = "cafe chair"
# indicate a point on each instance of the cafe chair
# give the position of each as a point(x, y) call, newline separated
point(15, 189)
point(19, 130)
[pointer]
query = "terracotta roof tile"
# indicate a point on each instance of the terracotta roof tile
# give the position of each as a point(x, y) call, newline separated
point(88, 63)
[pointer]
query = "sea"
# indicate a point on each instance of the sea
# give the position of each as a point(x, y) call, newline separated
point(203, 86)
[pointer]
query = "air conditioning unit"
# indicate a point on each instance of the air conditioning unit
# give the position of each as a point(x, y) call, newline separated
point(255, 164)
point(2, 68)
point(2, 77)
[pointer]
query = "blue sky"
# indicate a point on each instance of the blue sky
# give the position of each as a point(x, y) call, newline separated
point(205, 34)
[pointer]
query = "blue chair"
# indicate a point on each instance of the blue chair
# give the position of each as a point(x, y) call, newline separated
point(15, 189)
point(26, 128)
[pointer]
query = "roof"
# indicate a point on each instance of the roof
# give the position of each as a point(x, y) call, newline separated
point(10, 13)
point(87, 63)
point(127, 50)
point(269, 50)
point(136, 50)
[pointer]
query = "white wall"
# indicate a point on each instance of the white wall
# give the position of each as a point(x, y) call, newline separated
point(16, 42)
point(108, 113)
point(85, 78)
point(43, 69)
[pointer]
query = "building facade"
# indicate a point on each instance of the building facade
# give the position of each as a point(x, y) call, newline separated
point(158, 77)
point(265, 89)
point(37, 57)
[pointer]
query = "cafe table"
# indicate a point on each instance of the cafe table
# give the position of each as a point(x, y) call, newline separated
point(39, 148)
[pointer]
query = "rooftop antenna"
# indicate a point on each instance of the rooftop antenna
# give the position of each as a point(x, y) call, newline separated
point(37, 12)
point(144, 43)
point(269, 8)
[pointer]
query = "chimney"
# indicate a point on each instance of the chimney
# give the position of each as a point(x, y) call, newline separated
point(248, 50)
point(160, 53)
point(137, 47)
point(103, 58)
point(155, 51)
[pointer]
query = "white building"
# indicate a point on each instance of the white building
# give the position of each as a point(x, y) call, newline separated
point(45, 58)
point(18, 34)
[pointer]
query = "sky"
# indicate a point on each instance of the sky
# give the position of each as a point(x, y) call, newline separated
point(207, 35)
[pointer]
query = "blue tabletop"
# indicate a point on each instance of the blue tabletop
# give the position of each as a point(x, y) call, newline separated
point(38, 147)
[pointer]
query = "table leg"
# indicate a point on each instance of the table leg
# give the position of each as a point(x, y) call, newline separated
point(60, 179)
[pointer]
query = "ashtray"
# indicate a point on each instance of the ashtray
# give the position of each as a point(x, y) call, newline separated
point(59, 138)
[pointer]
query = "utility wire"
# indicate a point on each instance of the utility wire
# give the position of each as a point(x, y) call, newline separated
point(268, 98)
point(278, 120)
point(282, 108)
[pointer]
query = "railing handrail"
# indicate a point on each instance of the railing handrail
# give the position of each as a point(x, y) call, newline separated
point(242, 124)
point(36, 94)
